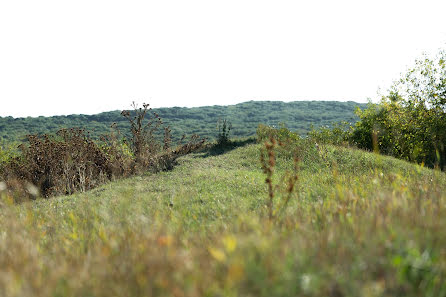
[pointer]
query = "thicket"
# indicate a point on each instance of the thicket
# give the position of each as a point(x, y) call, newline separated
point(408, 123)
point(71, 160)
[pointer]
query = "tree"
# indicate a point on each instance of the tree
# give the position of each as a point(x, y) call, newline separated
point(410, 121)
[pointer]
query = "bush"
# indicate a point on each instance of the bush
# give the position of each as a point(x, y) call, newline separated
point(408, 123)
point(289, 145)
point(224, 127)
point(61, 164)
point(71, 161)
point(282, 134)
point(339, 134)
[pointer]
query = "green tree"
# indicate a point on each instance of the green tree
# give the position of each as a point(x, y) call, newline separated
point(410, 121)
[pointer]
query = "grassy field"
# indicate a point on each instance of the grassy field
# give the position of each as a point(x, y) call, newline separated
point(358, 224)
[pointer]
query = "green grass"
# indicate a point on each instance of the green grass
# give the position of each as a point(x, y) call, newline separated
point(359, 224)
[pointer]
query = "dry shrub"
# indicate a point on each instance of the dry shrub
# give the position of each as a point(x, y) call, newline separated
point(148, 152)
point(72, 161)
point(61, 164)
point(167, 159)
point(118, 152)
point(143, 133)
point(277, 205)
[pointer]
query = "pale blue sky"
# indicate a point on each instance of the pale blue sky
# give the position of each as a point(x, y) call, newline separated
point(63, 57)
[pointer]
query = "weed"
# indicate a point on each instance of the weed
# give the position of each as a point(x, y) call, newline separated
point(143, 142)
point(268, 161)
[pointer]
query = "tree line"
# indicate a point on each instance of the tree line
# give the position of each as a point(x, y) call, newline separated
point(245, 117)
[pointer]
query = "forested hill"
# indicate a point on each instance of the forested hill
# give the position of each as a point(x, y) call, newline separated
point(244, 117)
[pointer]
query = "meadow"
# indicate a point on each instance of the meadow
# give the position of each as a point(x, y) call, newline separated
point(356, 208)
point(355, 223)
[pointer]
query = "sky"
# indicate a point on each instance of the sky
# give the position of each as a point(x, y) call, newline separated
point(70, 57)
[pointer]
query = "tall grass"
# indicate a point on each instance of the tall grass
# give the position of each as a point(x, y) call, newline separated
point(363, 225)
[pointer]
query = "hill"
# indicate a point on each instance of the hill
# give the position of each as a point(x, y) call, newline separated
point(358, 224)
point(244, 117)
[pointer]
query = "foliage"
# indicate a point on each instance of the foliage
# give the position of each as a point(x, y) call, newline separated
point(72, 161)
point(410, 122)
point(224, 127)
point(338, 134)
point(244, 117)
point(8, 151)
point(282, 134)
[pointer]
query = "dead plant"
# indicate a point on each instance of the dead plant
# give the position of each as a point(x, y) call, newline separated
point(275, 205)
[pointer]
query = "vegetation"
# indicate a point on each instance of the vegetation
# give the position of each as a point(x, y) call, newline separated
point(224, 128)
point(410, 121)
point(72, 161)
point(244, 117)
point(356, 224)
point(286, 216)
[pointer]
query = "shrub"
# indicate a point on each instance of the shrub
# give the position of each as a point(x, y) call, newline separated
point(403, 126)
point(281, 134)
point(142, 128)
point(8, 151)
point(72, 161)
point(339, 134)
point(224, 127)
point(61, 164)
point(408, 123)
point(290, 144)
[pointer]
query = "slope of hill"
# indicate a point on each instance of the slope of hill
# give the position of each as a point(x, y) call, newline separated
point(298, 116)
point(359, 224)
